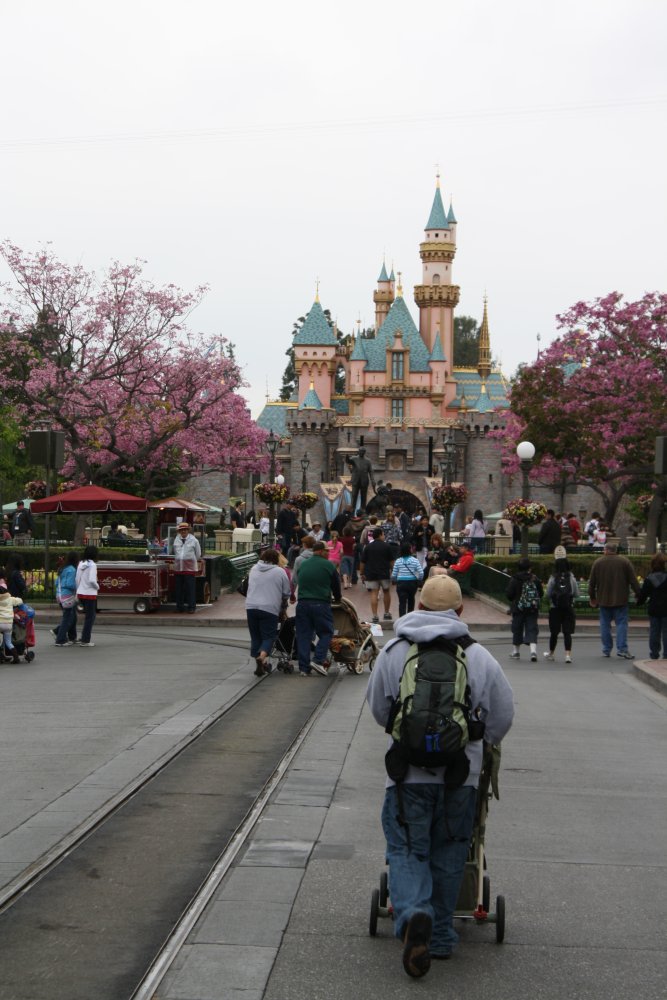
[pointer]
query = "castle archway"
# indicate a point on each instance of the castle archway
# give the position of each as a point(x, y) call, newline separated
point(409, 494)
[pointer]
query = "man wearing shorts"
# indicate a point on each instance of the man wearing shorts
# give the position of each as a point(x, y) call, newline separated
point(375, 568)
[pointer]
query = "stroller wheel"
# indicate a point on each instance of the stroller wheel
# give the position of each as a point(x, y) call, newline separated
point(500, 919)
point(384, 889)
point(29, 656)
point(375, 911)
point(358, 666)
point(289, 667)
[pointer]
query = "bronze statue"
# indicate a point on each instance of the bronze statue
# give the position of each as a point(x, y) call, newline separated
point(361, 474)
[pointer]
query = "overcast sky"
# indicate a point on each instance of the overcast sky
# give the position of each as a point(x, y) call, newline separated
point(259, 147)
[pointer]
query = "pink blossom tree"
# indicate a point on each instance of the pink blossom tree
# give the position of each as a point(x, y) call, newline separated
point(112, 363)
point(594, 401)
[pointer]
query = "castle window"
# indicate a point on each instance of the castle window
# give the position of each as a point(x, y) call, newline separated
point(396, 409)
point(436, 279)
point(397, 368)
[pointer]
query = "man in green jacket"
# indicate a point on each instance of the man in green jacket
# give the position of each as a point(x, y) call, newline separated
point(317, 581)
point(608, 587)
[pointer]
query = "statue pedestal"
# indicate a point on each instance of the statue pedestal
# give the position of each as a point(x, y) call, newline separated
point(223, 540)
point(502, 545)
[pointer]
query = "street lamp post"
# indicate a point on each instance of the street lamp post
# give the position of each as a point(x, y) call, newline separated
point(272, 446)
point(305, 462)
point(448, 470)
point(526, 453)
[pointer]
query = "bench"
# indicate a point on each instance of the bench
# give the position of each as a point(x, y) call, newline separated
point(233, 570)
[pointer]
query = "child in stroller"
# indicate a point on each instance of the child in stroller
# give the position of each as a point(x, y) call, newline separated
point(7, 606)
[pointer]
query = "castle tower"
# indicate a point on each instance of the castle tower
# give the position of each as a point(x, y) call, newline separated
point(484, 356)
point(315, 360)
point(437, 296)
point(383, 296)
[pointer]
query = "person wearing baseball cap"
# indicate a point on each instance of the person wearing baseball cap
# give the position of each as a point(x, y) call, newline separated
point(427, 849)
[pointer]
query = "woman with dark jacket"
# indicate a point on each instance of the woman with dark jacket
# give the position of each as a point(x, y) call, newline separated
point(525, 592)
point(16, 584)
point(654, 590)
point(562, 588)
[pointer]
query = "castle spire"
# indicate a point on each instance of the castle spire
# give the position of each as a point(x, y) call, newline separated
point(484, 356)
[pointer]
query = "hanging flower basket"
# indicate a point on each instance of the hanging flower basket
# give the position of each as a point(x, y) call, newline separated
point(35, 489)
point(447, 497)
point(304, 501)
point(271, 492)
point(525, 513)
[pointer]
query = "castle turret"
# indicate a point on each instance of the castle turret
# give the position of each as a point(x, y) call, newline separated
point(315, 356)
point(383, 296)
point(437, 296)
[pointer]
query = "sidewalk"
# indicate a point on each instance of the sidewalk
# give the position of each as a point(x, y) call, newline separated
point(290, 920)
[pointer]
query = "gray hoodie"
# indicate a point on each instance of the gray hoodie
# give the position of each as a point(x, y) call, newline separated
point(490, 690)
point(268, 586)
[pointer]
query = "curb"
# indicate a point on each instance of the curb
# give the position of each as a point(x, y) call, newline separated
point(652, 672)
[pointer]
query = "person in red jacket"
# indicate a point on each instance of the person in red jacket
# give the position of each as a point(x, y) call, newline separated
point(465, 560)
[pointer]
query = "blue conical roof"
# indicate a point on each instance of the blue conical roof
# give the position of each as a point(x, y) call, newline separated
point(451, 218)
point(359, 352)
point(437, 354)
point(311, 401)
point(438, 218)
point(383, 274)
point(315, 330)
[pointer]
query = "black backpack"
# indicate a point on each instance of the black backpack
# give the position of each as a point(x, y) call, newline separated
point(432, 718)
point(561, 595)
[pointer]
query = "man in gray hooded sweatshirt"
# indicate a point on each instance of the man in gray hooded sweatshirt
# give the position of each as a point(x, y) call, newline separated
point(428, 847)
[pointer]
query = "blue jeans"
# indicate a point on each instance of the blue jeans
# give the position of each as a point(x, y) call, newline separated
point(184, 584)
point(90, 613)
point(620, 616)
point(313, 617)
point(657, 632)
point(427, 878)
point(347, 566)
point(67, 627)
point(263, 628)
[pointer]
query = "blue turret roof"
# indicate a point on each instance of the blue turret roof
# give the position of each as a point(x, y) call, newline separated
point(359, 352)
point(451, 218)
point(438, 218)
point(398, 318)
point(437, 354)
point(311, 401)
point(315, 330)
point(383, 274)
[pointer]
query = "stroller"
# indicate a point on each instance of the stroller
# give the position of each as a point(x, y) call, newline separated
point(284, 648)
point(23, 635)
point(353, 644)
point(474, 902)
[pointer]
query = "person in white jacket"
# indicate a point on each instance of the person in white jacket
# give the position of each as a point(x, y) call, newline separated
point(7, 605)
point(428, 845)
point(86, 592)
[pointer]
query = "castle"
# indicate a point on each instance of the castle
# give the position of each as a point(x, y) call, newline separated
point(403, 399)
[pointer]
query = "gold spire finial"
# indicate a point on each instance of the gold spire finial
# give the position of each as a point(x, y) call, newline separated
point(312, 384)
point(437, 175)
point(317, 289)
point(399, 287)
point(484, 355)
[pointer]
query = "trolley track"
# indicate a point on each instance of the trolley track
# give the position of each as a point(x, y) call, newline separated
point(90, 922)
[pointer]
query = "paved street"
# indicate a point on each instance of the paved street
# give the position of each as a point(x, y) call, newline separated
point(575, 844)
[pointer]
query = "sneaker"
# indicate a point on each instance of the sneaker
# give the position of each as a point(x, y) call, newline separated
point(514, 656)
point(533, 657)
point(375, 619)
point(548, 656)
point(387, 617)
point(625, 655)
point(53, 631)
point(606, 654)
point(305, 673)
point(416, 958)
point(86, 644)
point(568, 658)
point(319, 667)
point(61, 645)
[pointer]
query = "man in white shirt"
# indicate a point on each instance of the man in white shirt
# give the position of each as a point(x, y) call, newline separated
point(187, 553)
